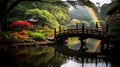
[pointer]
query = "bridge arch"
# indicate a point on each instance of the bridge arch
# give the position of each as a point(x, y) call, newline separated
point(83, 33)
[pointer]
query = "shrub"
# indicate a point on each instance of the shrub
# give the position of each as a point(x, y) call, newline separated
point(45, 31)
point(20, 25)
point(20, 35)
point(37, 36)
point(115, 30)
point(7, 37)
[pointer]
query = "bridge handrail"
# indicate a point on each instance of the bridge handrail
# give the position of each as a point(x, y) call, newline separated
point(80, 29)
point(83, 30)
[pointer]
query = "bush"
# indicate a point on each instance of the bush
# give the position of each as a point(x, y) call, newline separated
point(37, 36)
point(21, 34)
point(115, 30)
point(20, 25)
point(45, 31)
point(7, 37)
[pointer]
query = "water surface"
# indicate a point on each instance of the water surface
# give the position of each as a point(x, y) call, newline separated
point(48, 56)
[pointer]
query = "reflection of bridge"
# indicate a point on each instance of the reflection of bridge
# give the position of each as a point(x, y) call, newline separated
point(81, 56)
point(82, 33)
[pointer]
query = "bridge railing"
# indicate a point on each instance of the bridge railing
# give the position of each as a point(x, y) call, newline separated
point(80, 31)
point(83, 30)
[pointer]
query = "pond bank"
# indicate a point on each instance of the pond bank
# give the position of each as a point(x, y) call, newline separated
point(25, 44)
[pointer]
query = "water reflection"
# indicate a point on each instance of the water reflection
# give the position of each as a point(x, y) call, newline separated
point(73, 63)
point(49, 56)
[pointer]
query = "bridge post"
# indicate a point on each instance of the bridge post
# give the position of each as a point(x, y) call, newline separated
point(106, 27)
point(82, 61)
point(96, 25)
point(82, 43)
point(54, 33)
point(102, 45)
point(82, 28)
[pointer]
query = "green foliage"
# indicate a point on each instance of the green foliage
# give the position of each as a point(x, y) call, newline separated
point(84, 22)
point(17, 13)
point(60, 14)
point(7, 37)
point(80, 23)
point(58, 10)
point(27, 4)
point(87, 3)
point(113, 20)
point(37, 36)
point(109, 9)
point(92, 23)
point(45, 18)
point(50, 14)
point(102, 23)
point(114, 6)
point(114, 30)
point(41, 33)
point(45, 33)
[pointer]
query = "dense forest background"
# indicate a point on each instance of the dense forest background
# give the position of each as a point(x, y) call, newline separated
point(48, 14)
point(51, 14)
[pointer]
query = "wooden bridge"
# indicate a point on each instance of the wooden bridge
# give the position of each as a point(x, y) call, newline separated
point(83, 33)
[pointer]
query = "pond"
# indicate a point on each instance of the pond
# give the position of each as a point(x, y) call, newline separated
point(67, 55)
point(49, 56)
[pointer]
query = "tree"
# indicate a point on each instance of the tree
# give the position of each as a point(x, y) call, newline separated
point(18, 12)
point(115, 7)
point(5, 8)
point(7, 5)
point(45, 18)
point(113, 19)
point(59, 11)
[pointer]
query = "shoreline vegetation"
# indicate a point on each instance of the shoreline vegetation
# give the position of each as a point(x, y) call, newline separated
point(31, 43)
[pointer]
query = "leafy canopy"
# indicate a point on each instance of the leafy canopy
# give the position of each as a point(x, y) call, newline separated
point(45, 18)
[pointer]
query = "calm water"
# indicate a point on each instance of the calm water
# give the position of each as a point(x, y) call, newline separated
point(48, 56)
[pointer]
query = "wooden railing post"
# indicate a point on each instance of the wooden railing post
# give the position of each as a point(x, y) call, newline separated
point(106, 27)
point(54, 33)
point(96, 25)
point(82, 28)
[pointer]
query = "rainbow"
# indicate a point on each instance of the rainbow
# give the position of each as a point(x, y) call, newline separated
point(93, 15)
point(95, 18)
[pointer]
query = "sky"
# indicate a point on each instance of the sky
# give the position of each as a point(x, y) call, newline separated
point(95, 1)
point(101, 1)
